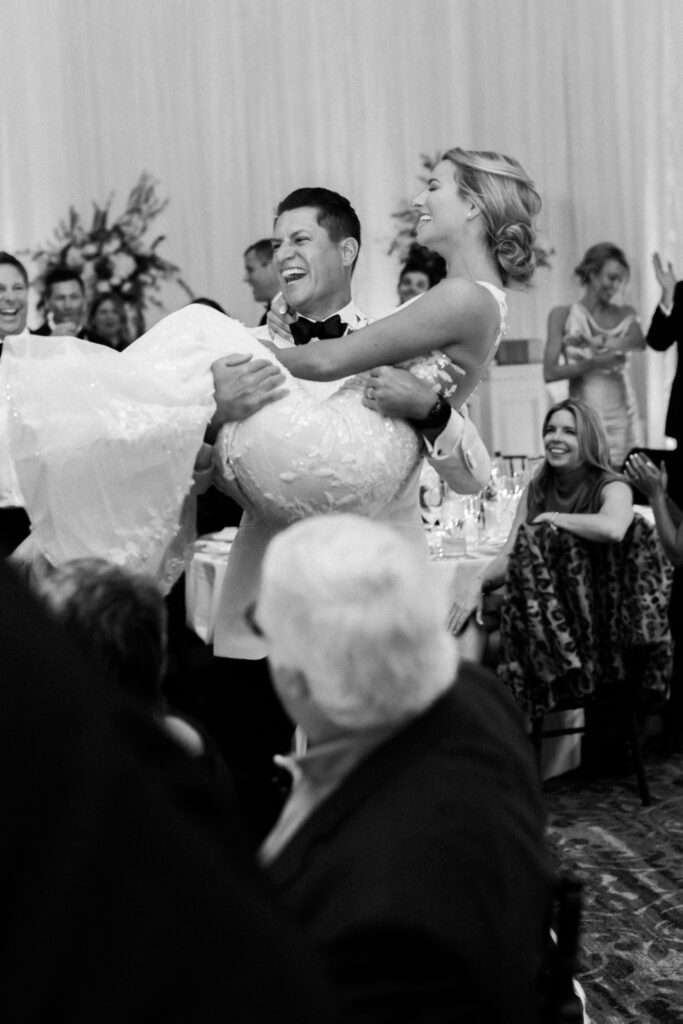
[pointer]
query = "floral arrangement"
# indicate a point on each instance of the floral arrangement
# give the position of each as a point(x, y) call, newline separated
point(114, 257)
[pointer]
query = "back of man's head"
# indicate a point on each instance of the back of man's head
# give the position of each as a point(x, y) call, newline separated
point(117, 618)
point(262, 250)
point(335, 212)
point(355, 608)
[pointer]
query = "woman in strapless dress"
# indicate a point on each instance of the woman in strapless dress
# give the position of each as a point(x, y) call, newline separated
point(589, 344)
point(104, 443)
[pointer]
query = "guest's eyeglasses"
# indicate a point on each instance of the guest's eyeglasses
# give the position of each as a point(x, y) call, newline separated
point(251, 620)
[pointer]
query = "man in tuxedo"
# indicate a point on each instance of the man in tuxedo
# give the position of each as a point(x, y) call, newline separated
point(666, 329)
point(64, 302)
point(317, 237)
point(260, 273)
point(411, 847)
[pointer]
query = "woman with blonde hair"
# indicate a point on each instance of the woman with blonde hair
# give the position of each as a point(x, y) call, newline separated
point(589, 344)
point(575, 489)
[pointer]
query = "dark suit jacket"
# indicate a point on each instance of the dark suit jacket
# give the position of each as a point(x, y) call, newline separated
point(664, 332)
point(423, 880)
point(44, 329)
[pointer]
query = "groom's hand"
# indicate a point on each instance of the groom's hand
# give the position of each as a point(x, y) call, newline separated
point(398, 393)
point(242, 386)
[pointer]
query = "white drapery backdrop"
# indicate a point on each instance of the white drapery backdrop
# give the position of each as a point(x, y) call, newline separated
point(233, 103)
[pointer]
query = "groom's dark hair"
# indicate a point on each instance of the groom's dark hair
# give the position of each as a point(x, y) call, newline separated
point(335, 213)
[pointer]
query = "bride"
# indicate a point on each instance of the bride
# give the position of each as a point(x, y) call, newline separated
point(104, 443)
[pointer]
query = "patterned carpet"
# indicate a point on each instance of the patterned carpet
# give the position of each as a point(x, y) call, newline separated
point(630, 858)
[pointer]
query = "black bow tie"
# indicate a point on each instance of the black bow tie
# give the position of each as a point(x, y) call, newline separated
point(304, 330)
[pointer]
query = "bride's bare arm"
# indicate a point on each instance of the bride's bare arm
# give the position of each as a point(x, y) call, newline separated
point(457, 316)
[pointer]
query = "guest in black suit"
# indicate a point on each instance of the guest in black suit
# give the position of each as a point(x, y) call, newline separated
point(64, 302)
point(411, 847)
point(132, 897)
point(14, 523)
point(666, 330)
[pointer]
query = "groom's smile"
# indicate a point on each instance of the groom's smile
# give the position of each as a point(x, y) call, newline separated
point(310, 266)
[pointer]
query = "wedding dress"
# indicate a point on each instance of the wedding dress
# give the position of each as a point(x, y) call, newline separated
point(104, 442)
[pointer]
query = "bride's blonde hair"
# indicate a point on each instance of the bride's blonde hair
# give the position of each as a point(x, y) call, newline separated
point(508, 202)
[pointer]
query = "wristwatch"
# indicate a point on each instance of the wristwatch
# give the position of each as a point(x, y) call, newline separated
point(437, 416)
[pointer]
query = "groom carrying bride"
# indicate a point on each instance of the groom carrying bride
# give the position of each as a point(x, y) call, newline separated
point(317, 240)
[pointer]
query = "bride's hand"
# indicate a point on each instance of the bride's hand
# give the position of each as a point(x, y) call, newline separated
point(279, 318)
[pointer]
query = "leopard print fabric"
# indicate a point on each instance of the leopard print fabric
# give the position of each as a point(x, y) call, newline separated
point(578, 616)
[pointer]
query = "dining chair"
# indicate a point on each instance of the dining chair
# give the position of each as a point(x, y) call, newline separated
point(586, 625)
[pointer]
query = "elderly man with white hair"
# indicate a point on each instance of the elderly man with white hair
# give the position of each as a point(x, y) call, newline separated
point(411, 847)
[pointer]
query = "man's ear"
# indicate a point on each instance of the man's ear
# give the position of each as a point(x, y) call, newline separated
point(291, 682)
point(349, 250)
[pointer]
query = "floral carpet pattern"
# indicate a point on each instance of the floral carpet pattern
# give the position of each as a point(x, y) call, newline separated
point(630, 859)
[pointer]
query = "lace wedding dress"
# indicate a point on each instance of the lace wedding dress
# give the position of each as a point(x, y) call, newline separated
point(104, 442)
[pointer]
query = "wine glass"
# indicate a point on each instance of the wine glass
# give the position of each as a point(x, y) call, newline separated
point(432, 496)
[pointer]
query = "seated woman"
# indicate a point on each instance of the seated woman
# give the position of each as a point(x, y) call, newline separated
point(104, 443)
point(575, 490)
point(573, 553)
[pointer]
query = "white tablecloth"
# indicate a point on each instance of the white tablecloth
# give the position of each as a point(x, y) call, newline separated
point(204, 581)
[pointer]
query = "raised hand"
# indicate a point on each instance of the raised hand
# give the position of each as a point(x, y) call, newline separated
point(643, 473)
point(279, 318)
point(666, 277)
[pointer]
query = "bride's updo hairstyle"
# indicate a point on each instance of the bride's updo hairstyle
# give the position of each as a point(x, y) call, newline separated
point(508, 202)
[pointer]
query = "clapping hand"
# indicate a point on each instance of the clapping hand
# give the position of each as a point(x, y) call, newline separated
point(666, 278)
point(642, 472)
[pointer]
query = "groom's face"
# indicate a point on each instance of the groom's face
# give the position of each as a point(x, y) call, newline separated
point(314, 271)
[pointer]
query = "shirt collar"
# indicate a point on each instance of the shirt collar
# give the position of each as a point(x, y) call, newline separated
point(349, 313)
point(330, 762)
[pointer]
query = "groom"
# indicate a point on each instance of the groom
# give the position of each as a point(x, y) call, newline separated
point(317, 240)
